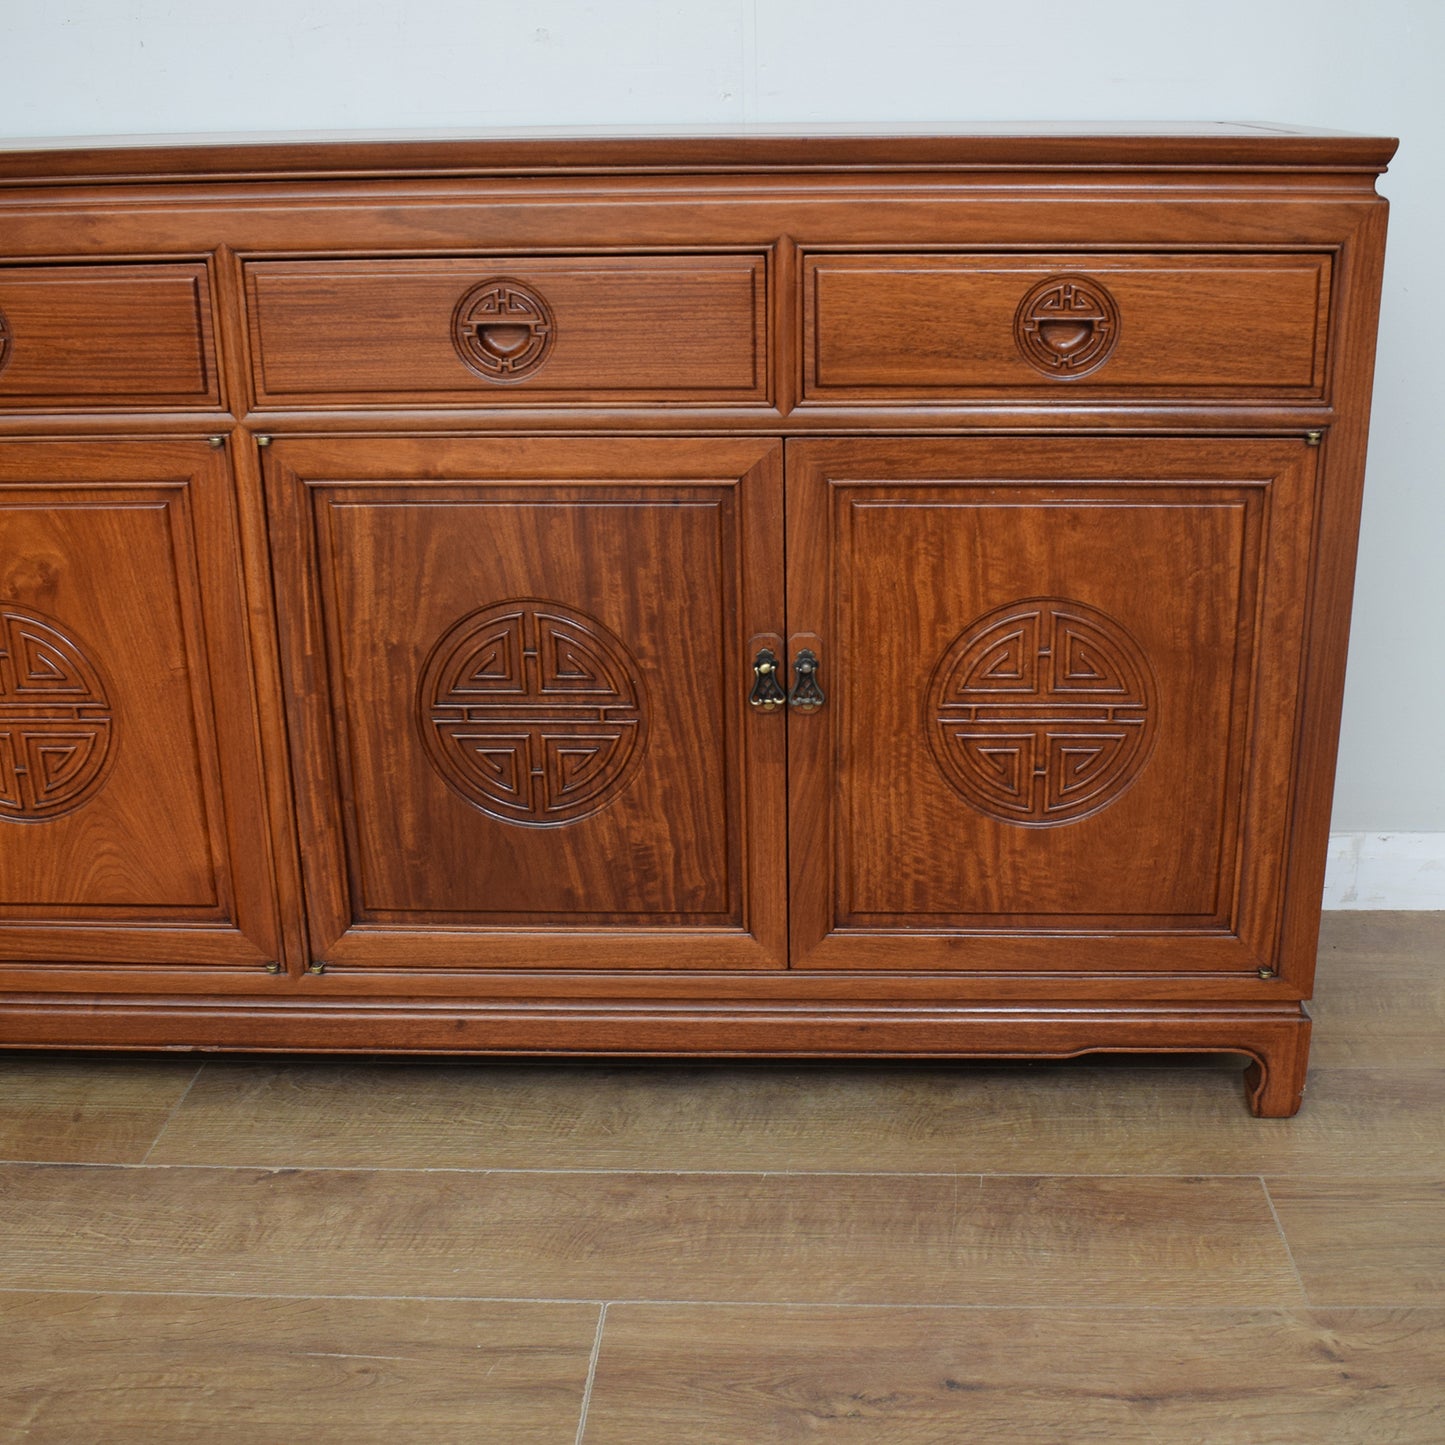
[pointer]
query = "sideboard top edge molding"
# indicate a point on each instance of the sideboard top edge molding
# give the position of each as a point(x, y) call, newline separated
point(1094, 146)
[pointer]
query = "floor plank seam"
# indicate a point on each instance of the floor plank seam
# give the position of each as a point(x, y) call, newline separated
point(1183, 1176)
point(1284, 1240)
point(174, 1110)
point(591, 1374)
point(1076, 1307)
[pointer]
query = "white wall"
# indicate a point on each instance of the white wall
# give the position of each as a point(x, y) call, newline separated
point(70, 67)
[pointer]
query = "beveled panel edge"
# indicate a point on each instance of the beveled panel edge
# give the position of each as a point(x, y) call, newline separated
point(205, 402)
point(550, 405)
point(1099, 392)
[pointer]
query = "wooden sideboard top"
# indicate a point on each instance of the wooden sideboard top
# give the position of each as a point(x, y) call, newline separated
point(1003, 146)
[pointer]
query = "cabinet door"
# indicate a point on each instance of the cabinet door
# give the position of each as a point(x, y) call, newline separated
point(131, 824)
point(520, 671)
point(1062, 679)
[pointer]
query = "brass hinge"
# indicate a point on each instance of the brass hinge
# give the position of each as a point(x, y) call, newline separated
point(1314, 438)
point(317, 968)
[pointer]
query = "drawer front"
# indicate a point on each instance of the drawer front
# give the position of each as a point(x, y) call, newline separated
point(103, 336)
point(508, 329)
point(896, 328)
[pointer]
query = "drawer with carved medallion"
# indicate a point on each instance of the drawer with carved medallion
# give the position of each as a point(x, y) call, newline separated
point(508, 329)
point(1124, 326)
point(74, 336)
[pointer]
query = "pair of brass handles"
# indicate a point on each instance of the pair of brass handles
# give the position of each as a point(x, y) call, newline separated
point(768, 695)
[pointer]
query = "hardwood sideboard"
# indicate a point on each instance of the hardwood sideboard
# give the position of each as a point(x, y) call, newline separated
point(749, 595)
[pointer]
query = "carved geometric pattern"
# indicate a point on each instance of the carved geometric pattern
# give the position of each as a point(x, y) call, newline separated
point(533, 712)
point(57, 731)
point(4, 341)
point(1042, 712)
point(1067, 326)
point(503, 330)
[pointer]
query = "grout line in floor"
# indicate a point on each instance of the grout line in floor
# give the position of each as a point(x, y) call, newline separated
point(1284, 1239)
point(166, 1122)
point(591, 1374)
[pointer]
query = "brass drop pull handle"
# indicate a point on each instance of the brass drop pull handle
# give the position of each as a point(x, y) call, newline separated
point(767, 694)
point(806, 695)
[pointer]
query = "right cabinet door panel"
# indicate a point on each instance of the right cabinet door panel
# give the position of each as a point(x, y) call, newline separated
point(1062, 678)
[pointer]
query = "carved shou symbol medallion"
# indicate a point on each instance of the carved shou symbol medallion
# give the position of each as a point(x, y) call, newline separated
point(1042, 712)
point(503, 330)
point(533, 712)
point(1067, 326)
point(56, 726)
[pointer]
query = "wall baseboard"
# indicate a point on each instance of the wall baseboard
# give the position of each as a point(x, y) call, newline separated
point(1385, 870)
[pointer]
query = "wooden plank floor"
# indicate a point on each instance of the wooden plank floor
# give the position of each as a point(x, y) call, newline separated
point(1097, 1250)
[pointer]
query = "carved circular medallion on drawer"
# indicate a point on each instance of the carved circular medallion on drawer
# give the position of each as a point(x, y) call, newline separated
point(533, 712)
point(56, 723)
point(503, 330)
point(1067, 326)
point(1042, 712)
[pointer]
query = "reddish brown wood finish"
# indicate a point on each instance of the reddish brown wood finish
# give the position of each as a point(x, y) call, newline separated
point(127, 683)
point(692, 151)
point(636, 571)
point(620, 328)
point(1158, 839)
point(87, 336)
point(415, 708)
point(1202, 326)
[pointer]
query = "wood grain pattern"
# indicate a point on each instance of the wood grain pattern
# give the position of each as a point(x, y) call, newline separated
point(1362, 259)
point(102, 1111)
point(1030, 1363)
point(1085, 1116)
point(1365, 1240)
point(1206, 603)
point(404, 870)
point(821, 1238)
point(930, 324)
point(106, 336)
point(130, 546)
point(243, 1371)
point(1381, 991)
point(639, 328)
point(1104, 145)
point(703, 1374)
point(1274, 1037)
point(351, 887)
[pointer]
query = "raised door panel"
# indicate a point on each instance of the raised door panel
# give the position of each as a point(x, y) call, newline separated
point(520, 675)
point(1062, 680)
point(131, 829)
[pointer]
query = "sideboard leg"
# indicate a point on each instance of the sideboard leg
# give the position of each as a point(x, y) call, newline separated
point(1274, 1082)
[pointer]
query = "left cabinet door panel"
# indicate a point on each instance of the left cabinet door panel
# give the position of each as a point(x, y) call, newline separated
point(519, 670)
point(131, 824)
